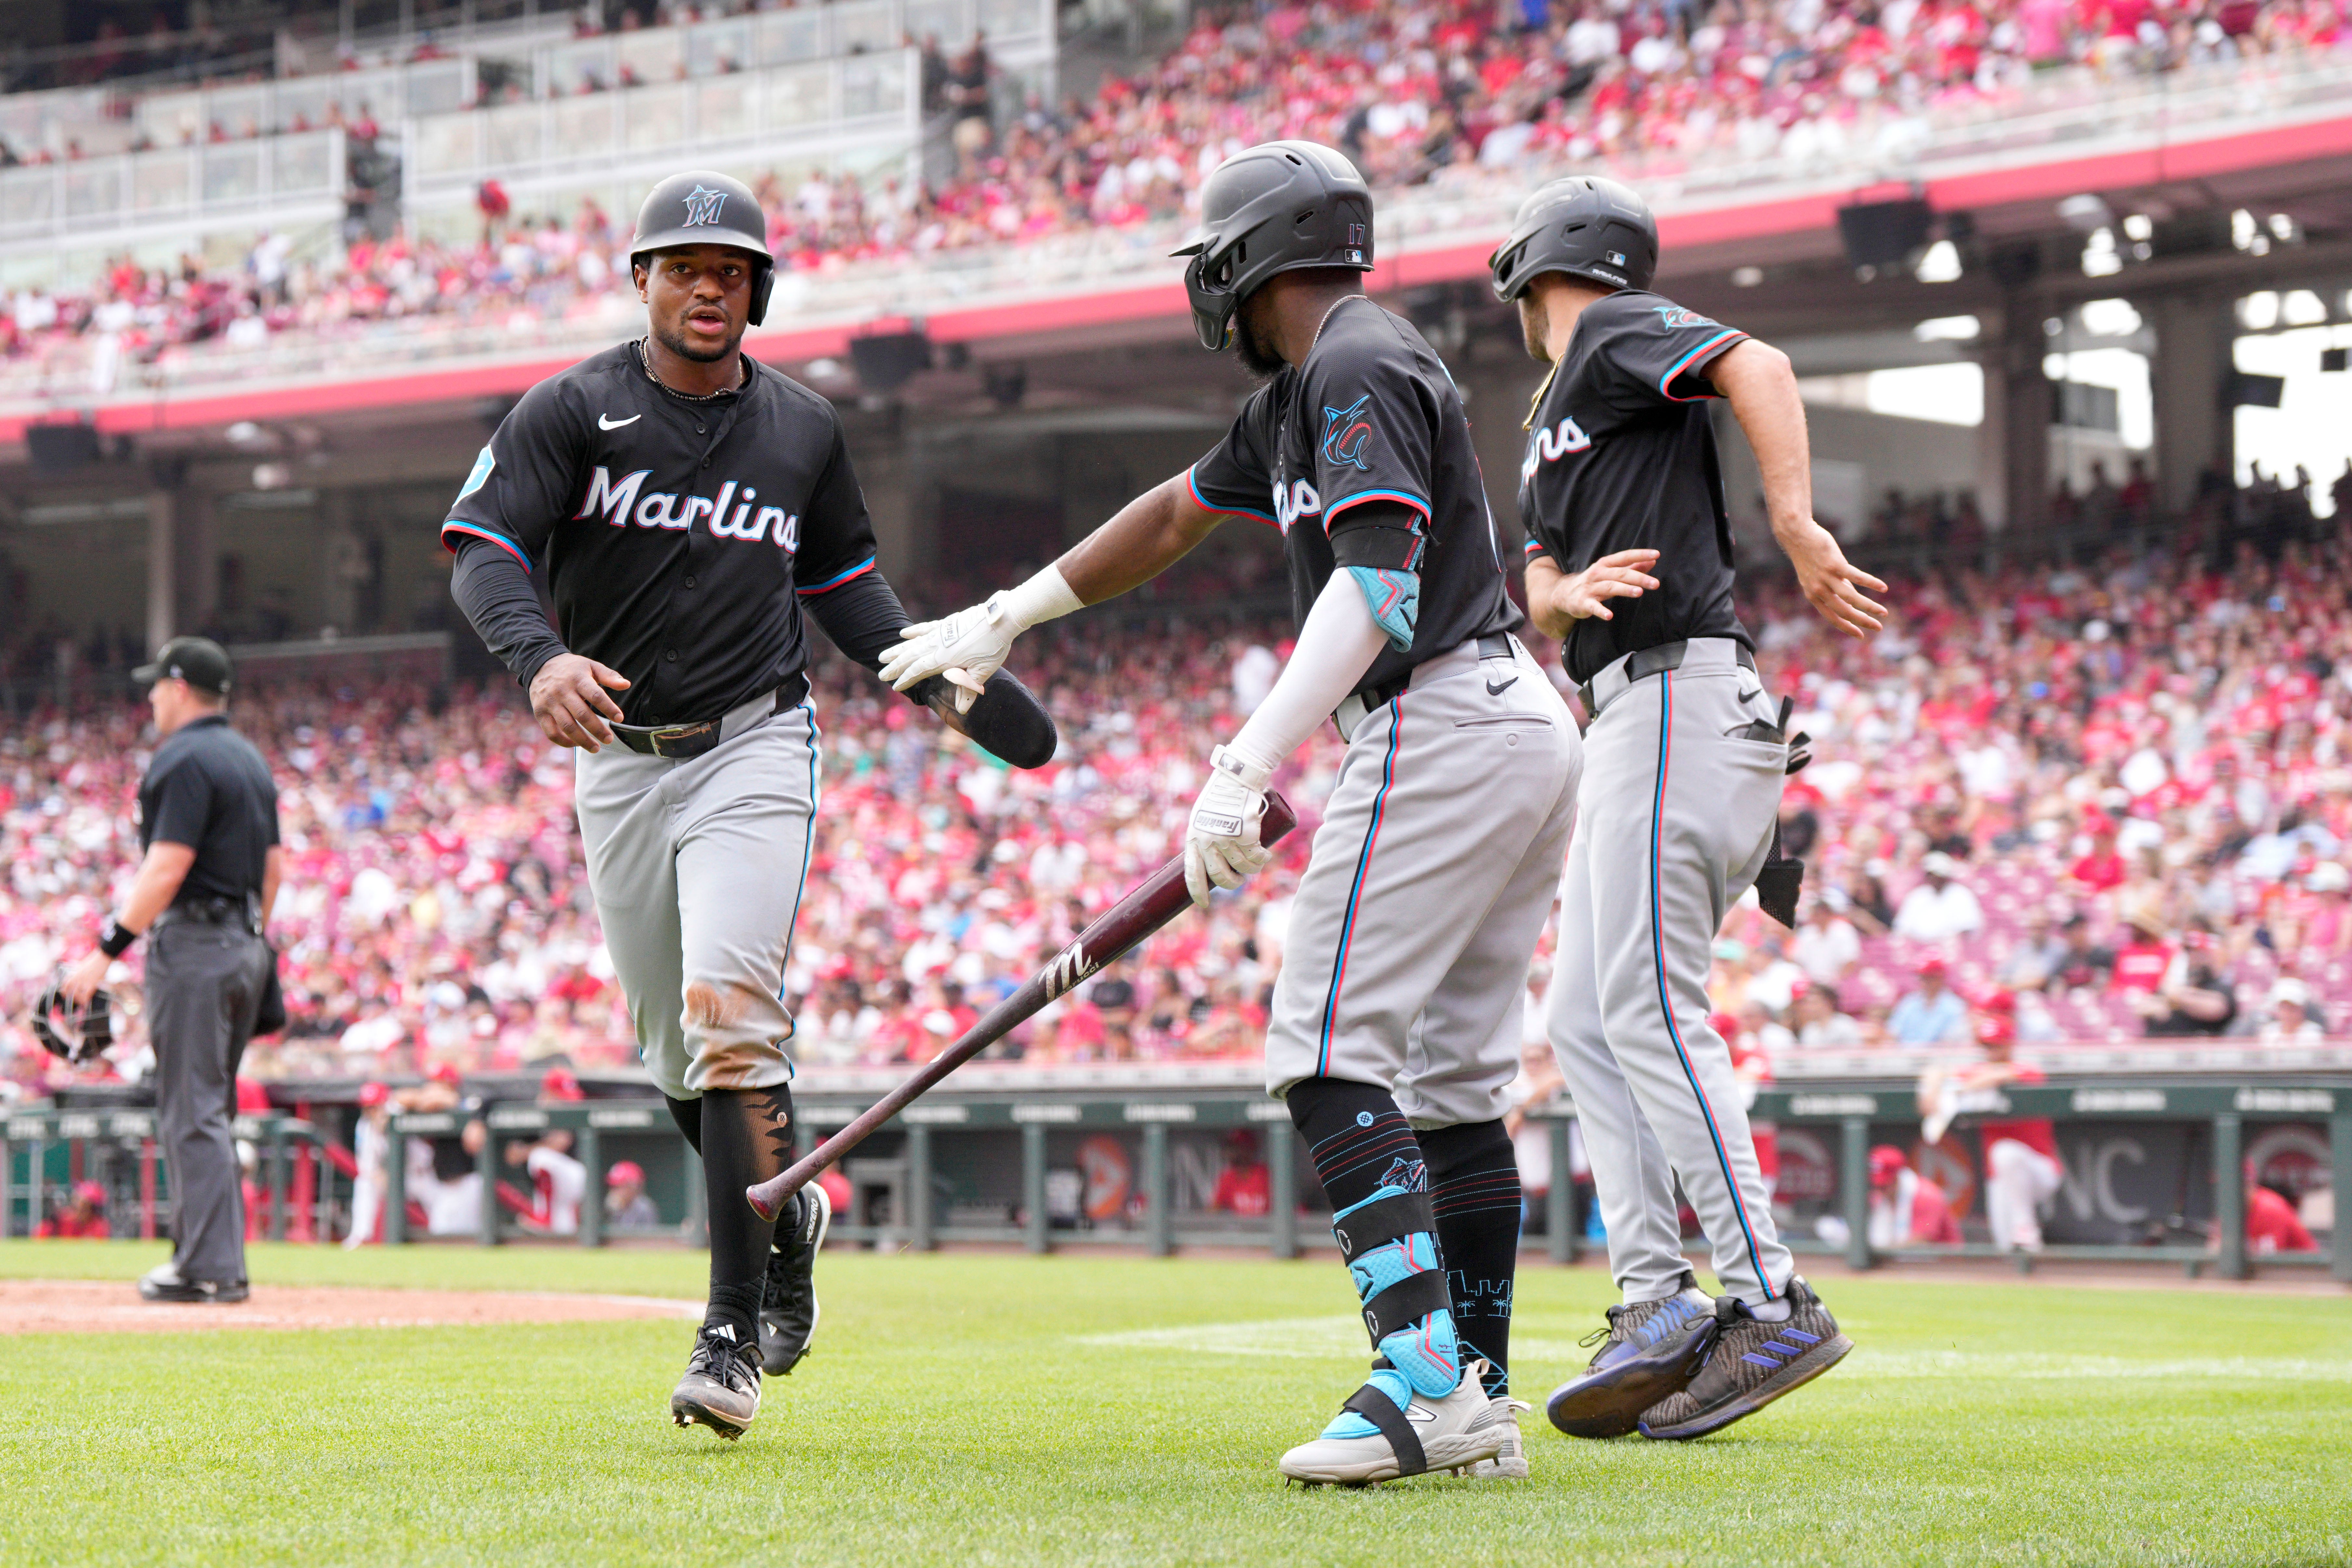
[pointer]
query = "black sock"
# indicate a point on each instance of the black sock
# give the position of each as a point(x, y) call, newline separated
point(687, 1114)
point(1473, 1188)
point(747, 1137)
point(1356, 1138)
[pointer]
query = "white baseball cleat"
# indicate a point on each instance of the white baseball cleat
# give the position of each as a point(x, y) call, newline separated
point(1510, 1464)
point(1452, 1432)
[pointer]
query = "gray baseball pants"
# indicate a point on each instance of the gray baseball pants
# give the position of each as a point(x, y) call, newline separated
point(204, 987)
point(1677, 819)
point(698, 865)
point(1407, 955)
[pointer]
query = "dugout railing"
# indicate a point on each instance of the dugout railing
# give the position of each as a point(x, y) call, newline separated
point(294, 1186)
point(2161, 1165)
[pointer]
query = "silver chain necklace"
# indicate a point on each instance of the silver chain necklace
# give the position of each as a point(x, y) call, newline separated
point(1327, 320)
point(744, 375)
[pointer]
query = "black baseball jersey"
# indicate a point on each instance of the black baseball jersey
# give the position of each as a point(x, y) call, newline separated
point(209, 789)
point(676, 536)
point(1620, 456)
point(1372, 417)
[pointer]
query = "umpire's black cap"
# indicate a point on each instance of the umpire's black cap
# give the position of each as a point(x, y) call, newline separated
point(704, 208)
point(1276, 207)
point(200, 661)
point(1583, 225)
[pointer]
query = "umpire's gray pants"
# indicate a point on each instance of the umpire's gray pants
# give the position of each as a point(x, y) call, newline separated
point(697, 866)
point(1677, 819)
point(1406, 963)
point(204, 988)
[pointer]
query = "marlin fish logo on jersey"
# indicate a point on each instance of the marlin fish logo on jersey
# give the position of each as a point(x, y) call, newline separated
point(1674, 318)
point(1345, 431)
point(702, 207)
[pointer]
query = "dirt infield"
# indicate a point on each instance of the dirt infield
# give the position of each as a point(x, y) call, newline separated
point(114, 1307)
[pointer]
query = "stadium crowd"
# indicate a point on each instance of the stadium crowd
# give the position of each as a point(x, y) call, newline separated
point(2081, 803)
point(1415, 91)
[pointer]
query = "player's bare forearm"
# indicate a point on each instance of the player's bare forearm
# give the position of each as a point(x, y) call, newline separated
point(1543, 584)
point(1761, 386)
point(1146, 537)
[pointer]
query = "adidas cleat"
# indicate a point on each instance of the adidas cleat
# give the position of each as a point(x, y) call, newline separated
point(1750, 1365)
point(720, 1389)
point(788, 1307)
point(1649, 1352)
point(1453, 1432)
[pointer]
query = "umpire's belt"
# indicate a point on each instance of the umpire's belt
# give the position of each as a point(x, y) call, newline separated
point(1694, 653)
point(681, 741)
point(1459, 659)
point(244, 913)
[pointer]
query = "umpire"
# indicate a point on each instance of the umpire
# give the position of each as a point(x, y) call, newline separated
point(208, 824)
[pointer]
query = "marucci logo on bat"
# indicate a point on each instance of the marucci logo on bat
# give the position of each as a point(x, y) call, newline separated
point(1069, 966)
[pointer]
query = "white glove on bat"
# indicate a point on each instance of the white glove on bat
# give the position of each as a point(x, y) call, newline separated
point(970, 646)
point(1220, 845)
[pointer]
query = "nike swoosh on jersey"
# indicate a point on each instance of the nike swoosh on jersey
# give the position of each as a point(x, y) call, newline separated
point(606, 422)
point(1495, 690)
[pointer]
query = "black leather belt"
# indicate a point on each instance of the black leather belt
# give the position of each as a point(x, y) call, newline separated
point(1494, 645)
point(244, 913)
point(1655, 659)
point(678, 741)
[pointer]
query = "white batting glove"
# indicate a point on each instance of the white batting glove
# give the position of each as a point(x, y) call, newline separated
point(1220, 845)
point(966, 648)
point(970, 646)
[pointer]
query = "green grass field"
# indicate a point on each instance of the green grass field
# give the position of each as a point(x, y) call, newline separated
point(966, 1408)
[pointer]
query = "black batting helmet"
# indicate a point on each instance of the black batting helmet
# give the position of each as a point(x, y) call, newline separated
point(700, 207)
point(1277, 208)
point(1585, 227)
point(74, 1035)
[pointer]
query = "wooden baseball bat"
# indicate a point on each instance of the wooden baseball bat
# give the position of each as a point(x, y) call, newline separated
point(1160, 897)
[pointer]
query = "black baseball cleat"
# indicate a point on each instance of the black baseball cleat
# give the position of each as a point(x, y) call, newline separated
point(1649, 1351)
point(1750, 1365)
point(164, 1284)
point(720, 1389)
point(788, 1309)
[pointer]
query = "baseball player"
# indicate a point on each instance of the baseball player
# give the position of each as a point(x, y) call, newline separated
point(684, 505)
point(1396, 1014)
point(1630, 561)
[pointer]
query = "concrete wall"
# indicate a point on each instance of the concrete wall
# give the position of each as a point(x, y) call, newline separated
point(1915, 456)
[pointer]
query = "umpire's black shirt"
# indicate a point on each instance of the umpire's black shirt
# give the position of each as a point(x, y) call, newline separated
point(209, 789)
point(1620, 456)
point(676, 535)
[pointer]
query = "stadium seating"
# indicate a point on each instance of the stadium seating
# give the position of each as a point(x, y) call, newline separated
point(436, 906)
point(1421, 92)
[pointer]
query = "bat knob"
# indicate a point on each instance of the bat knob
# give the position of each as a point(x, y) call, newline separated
point(1278, 820)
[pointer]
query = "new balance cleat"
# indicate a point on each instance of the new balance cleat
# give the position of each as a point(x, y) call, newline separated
point(1510, 1461)
point(1375, 1439)
point(1649, 1350)
point(788, 1307)
point(1750, 1365)
point(720, 1389)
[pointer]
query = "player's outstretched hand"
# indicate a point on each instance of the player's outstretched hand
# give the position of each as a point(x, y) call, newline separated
point(967, 647)
point(1584, 595)
point(568, 698)
point(1220, 845)
point(1833, 585)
